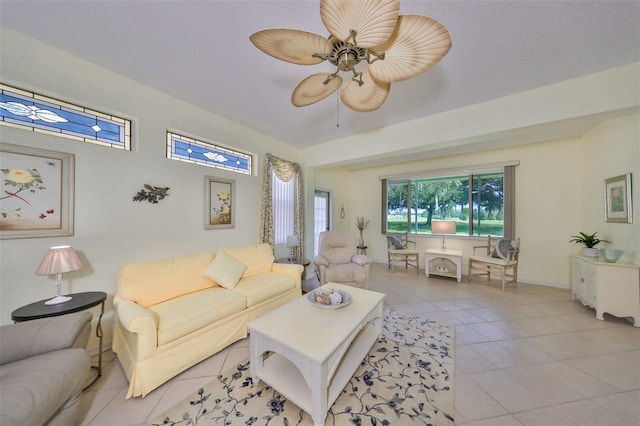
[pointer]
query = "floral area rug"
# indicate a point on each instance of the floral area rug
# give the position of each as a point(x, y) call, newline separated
point(405, 379)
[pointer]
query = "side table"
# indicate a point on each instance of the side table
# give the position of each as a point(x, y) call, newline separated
point(304, 262)
point(362, 250)
point(79, 302)
point(445, 263)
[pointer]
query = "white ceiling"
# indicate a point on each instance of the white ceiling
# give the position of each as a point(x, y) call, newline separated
point(199, 51)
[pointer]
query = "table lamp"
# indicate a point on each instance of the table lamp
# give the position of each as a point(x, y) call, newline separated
point(58, 260)
point(443, 227)
point(292, 241)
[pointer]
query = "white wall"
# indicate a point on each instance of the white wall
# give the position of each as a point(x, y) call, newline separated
point(612, 149)
point(110, 228)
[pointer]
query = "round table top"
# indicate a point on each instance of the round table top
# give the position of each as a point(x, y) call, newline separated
point(78, 302)
point(304, 262)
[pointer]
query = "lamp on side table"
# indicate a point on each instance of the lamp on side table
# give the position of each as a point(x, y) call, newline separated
point(57, 261)
point(443, 227)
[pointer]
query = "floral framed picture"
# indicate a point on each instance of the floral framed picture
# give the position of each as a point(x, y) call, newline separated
point(617, 196)
point(219, 209)
point(37, 192)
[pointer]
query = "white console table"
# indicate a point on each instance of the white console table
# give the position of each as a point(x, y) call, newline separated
point(445, 263)
point(613, 288)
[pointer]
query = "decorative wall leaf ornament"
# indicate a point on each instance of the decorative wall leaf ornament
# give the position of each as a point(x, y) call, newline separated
point(152, 194)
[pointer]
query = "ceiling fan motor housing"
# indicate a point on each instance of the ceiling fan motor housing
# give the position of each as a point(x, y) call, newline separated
point(346, 56)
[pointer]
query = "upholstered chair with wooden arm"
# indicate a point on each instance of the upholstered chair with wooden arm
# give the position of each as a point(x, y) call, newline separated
point(337, 260)
point(401, 249)
point(499, 255)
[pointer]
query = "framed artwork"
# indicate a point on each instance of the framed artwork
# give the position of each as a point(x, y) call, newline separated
point(37, 192)
point(617, 196)
point(219, 209)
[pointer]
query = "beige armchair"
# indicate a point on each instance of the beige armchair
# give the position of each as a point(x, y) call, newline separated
point(400, 248)
point(43, 369)
point(337, 260)
point(498, 255)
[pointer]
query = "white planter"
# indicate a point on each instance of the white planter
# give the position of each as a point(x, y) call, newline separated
point(590, 252)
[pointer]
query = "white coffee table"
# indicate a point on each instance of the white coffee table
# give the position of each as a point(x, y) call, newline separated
point(315, 351)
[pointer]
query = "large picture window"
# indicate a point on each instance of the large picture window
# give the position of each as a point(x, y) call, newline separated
point(481, 203)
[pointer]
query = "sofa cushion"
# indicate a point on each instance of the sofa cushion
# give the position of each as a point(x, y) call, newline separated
point(35, 388)
point(258, 258)
point(260, 287)
point(186, 314)
point(151, 282)
point(225, 270)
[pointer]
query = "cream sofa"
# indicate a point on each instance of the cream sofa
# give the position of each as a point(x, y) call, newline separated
point(176, 312)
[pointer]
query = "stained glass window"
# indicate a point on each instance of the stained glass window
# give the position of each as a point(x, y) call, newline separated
point(42, 114)
point(191, 150)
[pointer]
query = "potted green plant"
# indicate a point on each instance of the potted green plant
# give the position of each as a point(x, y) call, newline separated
point(589, 241)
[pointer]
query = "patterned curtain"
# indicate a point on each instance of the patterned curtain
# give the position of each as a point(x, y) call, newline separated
point(285, 171)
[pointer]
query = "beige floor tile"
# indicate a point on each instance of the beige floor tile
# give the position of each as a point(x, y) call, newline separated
point(509, 390)
point(92, 402)
point(473, 403)
point(547, 416)
point(624, 405)
point(619, 370)
point(466, 335)
point(492, 331)
point(497, 421)
point(588, 413)
point(133, 411)
point(467, 361)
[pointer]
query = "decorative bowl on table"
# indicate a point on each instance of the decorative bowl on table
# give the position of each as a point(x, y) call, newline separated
point(328, 298)
point(611, 255)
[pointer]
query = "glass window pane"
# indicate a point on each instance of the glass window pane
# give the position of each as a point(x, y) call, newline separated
point(444, 198)
point(397, 219)
point(488, 204)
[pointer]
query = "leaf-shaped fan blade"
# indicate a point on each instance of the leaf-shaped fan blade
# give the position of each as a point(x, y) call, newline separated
point(293, 46)
point(418, 43)
point(366, 98)
point(374, 20)
point(312, 89)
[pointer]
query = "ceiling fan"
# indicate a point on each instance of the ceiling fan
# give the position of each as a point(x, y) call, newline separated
point(395, 47)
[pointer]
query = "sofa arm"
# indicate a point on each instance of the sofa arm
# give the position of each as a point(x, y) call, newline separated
point(360, 259)
point(135, 318)
point(39, 336)
point(293, 269)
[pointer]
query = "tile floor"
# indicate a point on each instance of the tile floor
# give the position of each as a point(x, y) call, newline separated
point(526, 356)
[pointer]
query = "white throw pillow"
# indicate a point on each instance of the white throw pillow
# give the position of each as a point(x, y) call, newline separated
point(225, 270)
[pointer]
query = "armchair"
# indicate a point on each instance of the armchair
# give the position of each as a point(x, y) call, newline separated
point(498, 255)
point(43, 370)
point(337, 260)
point(400, 248)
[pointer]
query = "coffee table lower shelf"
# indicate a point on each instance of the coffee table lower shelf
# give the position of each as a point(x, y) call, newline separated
point(283, 376)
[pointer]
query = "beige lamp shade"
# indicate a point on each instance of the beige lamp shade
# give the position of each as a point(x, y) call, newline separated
point(58, 260)
point(443, 227)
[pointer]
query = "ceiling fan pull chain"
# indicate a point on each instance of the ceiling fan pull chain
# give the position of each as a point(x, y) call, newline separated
point(338, 107)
